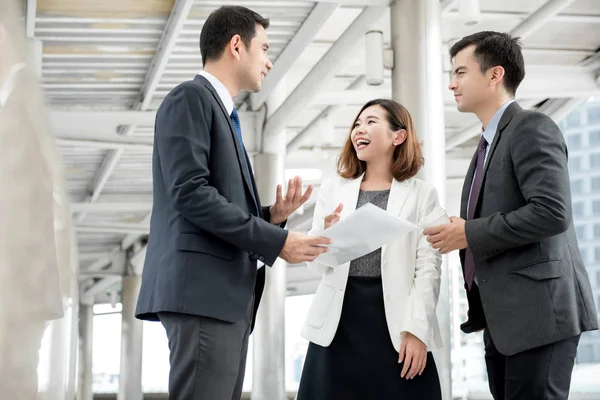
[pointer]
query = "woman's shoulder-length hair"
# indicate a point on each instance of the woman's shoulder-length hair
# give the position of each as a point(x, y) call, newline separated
point(408, 157)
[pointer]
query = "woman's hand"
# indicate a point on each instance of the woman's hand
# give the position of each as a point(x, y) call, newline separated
point(333, 217)
point(414, 354)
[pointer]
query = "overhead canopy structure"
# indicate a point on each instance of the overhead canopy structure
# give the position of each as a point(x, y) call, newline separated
point(107, 65)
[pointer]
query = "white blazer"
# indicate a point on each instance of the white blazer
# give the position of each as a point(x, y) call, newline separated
point(410, 267)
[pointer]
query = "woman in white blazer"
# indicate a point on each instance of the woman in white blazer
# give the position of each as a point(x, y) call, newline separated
point(372, 322)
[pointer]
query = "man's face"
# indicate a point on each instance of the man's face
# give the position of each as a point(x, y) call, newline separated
point(255, 63)
point(471, 87)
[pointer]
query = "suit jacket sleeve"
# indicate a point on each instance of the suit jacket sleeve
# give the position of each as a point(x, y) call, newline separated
point(422, 301)
point(319, 214)
point(266, 215)
point(539, 156)
point(183, 140)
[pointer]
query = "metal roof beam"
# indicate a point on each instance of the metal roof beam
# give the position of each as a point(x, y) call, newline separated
point(301, 40)
point(323, 70)
point(178, 17)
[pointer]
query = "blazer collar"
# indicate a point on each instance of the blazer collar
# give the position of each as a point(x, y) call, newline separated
point(507, 116)
point(398, 193)
point(241, 153)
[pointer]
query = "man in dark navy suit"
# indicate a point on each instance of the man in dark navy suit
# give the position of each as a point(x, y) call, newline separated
point(208, 228)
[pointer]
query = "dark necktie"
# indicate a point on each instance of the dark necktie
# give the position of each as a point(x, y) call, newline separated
point(477, 181)
point(235, 120)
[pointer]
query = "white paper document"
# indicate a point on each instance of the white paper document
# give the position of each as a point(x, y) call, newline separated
point(363, 231)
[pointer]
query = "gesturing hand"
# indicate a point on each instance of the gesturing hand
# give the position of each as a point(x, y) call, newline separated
point(333, 217)
point(413, 352)
point(285, 205)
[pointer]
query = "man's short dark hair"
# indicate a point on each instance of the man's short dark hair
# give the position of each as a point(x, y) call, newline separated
point(224, 23)
point(496, 49)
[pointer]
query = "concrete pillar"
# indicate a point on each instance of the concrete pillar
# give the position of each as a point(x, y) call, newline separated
point(268, 377)
point(34, 56)
point(417, 84)
point(130, 380)
point(58, 360)
point(86, 341)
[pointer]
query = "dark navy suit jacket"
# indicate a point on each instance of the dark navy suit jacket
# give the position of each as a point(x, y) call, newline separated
point(207, 231)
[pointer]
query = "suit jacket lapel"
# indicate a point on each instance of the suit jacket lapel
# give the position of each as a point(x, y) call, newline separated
point(467, 187)
point(241, 153)
point(398, 195)
point(349, 196)
point(506, 117)
point(510, 111)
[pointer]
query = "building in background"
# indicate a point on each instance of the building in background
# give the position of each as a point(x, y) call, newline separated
point(582, 132)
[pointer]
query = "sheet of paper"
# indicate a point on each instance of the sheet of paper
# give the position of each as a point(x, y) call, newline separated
point(363, 231)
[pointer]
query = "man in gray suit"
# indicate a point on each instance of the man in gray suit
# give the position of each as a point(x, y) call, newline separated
point(208, 228)
point(526, 283)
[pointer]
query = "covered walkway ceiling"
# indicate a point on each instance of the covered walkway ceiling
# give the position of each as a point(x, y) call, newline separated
point(107, 65)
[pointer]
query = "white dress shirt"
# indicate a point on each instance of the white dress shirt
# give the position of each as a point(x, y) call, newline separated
point(222, 91)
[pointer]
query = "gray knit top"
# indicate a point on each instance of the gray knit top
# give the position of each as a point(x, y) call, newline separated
point(370, 264)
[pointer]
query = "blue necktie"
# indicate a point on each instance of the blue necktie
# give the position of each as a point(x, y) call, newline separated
point(235, 120)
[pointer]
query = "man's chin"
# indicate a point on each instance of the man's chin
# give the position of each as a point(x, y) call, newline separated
point(461, 107)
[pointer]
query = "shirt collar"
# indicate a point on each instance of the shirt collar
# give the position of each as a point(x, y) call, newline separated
point(490, 132)
point(9, 84)
point(221, 91)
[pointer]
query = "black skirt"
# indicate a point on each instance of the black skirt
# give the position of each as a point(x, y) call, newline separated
point(361, 362)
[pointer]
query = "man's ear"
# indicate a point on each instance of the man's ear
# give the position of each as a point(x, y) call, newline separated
point(234, 46)
point(496, 75)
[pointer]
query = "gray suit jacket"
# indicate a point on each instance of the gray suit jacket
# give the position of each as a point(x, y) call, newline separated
point(207, 231)
point(533, 286)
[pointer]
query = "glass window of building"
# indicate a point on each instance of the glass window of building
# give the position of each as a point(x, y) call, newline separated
point(578, 209)
point(595, 184)
point(580, 232)
point(598, 283)
point(597, 230)
point(577, 186)
point(583, 252)
point(595, 160)
point(596, 207)
point(575, 164)
point(594, 115)
point(574, 119)
point(594, 138)
point(597, 251)
point(574, 141)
